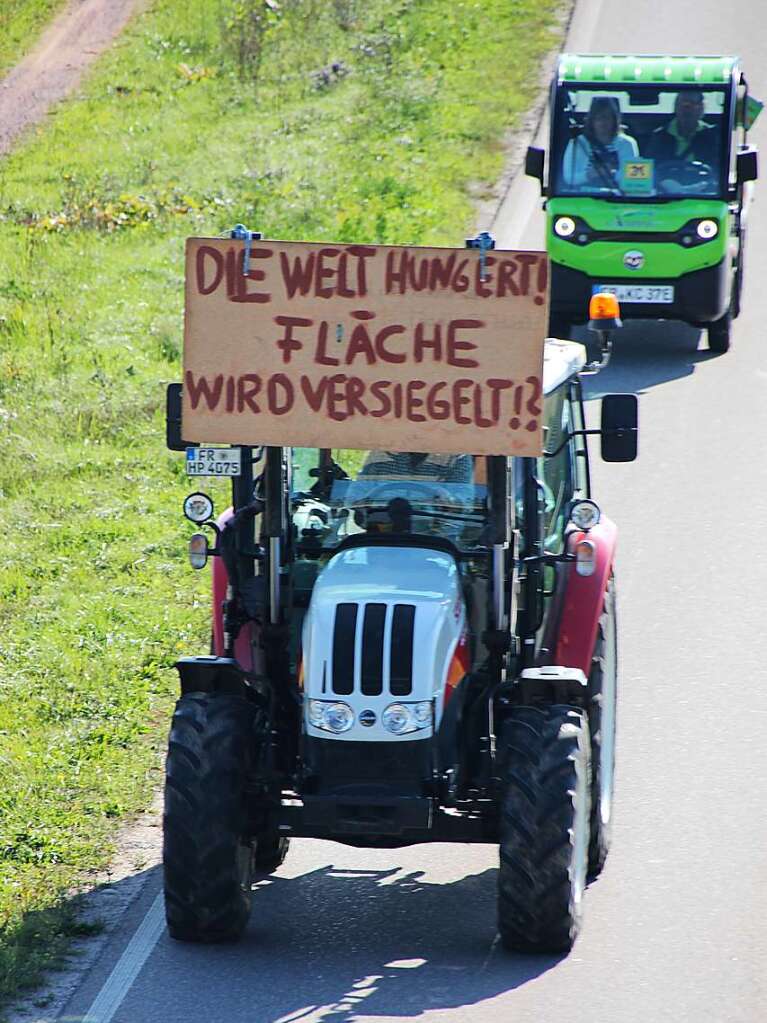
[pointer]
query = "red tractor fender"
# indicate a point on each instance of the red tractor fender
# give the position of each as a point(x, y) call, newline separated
point(220, 580)
point(584, 599)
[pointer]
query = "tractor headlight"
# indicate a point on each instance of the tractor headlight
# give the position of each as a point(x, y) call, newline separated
point(585, 514)
point(198, 507)
point(330, 717)
point(401, 718)
point(707, 229)
point(564, 227)
point(423, 713)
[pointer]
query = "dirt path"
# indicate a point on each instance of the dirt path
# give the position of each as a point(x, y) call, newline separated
point(57, 63)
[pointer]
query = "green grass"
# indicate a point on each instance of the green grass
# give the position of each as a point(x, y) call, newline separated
point(172, 137)
point(20, 24)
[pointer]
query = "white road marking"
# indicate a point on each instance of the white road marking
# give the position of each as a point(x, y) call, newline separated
point(128, 966)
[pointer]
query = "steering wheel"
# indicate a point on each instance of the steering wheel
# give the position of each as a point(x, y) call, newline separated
point(380, 494)
point(685, 173)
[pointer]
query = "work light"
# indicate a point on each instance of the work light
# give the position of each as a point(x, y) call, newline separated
point(585, 514)
point(198, 507)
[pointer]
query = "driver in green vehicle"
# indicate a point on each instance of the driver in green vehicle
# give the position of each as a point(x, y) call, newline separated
point(686, 137)
point(596, 156)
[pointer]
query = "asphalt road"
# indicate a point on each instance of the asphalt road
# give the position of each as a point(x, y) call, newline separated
point(676, 928)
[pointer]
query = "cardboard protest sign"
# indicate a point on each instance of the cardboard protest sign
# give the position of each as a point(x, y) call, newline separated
point(362, 346)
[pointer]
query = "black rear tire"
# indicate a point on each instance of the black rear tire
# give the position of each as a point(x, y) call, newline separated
point(207, 857)
point(271, 850)
point(544, 828)
point(603, 699)
point(719, 334)
point(737, 285)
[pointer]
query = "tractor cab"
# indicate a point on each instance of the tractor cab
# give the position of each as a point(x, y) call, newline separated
point(647, 188)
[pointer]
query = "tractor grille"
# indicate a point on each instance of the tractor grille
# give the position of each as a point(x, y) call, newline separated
point(401, 680)
point(343, 649)
point(373, 649)
point(373, 628)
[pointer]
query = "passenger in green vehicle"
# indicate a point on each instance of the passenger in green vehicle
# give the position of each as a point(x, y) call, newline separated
point(595, 158)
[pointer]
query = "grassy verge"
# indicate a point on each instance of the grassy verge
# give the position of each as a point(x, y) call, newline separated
point(20, 23)
point(368, 121)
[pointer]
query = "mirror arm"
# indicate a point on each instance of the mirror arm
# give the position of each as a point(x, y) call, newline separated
point(569, 437)
point(606, 347)
point(548, 558)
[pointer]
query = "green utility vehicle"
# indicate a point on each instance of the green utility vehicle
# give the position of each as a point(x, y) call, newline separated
point(648, 186)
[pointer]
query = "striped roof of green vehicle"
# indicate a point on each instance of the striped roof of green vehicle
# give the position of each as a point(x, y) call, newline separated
point(658, 69)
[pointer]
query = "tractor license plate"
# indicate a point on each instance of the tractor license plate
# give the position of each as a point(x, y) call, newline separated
point(213, 462)
point(647, 294)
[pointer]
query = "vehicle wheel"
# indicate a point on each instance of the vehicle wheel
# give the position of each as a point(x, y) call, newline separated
point(271, 850)
point(544, 828)
point(603, 701)
point(207, 859)
point(737, 284)
point(719, 334)
point(559, 326)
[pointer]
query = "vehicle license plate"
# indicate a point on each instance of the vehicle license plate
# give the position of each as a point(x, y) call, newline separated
point(213, 461)
point(649, 294)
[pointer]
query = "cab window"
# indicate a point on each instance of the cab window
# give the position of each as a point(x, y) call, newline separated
point(336, 494)
point(556, 469)
point(582, 483)
point(640, 141)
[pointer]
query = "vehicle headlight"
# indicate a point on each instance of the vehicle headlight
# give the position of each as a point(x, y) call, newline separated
point(198, 507)
point(707, 229)
point(564, 227)
point(401, 718)
point(316, 713)
point(585, 514)
point(423, 713)
point(330, 717)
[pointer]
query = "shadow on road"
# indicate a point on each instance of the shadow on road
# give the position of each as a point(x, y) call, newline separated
point(340, 945)
point(646, 354)
point(408, 945)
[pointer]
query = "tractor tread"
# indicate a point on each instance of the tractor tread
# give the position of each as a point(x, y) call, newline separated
point(207, 892)
point(538, 910)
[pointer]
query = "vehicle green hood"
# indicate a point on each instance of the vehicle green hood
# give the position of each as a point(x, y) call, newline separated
point(619, 216)
point(663, 258)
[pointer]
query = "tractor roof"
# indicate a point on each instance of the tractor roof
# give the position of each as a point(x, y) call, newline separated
point(561, 359)
point(655, 70)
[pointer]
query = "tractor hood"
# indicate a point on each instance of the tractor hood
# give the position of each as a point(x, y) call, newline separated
point(382, 627)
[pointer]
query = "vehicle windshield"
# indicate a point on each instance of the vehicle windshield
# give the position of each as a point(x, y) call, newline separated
point(640, 142)
point(341, 493)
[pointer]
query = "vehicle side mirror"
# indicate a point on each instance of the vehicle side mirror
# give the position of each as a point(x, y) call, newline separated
point(619, 427)
point(534, 163)
point(173, 439)
point(747, 164)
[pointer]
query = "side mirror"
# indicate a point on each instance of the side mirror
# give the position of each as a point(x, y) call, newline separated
point(747, 164)
point(173, 439)
point(534, 163)
point(619, 427)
